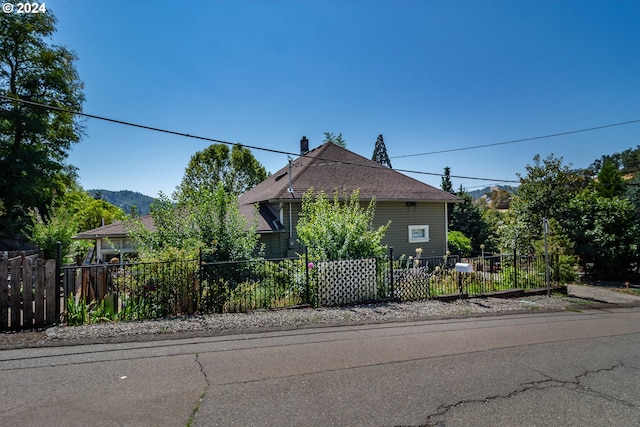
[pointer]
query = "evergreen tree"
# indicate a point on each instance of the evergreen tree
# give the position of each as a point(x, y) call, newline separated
point(447, 185)
point(610, 182)
point(380, 153)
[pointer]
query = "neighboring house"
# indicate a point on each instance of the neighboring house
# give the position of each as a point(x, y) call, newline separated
point(113, 240)
point(418, 212)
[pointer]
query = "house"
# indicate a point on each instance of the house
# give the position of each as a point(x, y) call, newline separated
point(113, 240)
point(418, 212)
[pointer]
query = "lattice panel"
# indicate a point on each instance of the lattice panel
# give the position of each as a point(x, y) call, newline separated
point(346, 281)
point(411, 284)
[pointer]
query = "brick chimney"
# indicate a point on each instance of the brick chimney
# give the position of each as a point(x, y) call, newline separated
point(304, 145)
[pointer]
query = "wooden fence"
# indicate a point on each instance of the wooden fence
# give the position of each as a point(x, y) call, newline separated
point(29, 292)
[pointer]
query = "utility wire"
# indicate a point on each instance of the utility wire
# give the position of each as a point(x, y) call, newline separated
point(203, 138)
point(450, 150)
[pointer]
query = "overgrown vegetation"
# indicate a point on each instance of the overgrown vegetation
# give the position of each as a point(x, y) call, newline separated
point(339, 228)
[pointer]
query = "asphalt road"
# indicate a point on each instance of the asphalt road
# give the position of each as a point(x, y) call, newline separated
point(565, 369)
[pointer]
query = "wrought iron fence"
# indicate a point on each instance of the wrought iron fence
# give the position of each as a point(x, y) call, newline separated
point(148, 290)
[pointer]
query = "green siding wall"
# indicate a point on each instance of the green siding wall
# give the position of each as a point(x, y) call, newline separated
point(401, 216)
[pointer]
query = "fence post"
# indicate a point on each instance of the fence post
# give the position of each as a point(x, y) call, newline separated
point(58, 281)
point(515, 268)
point(307, 293)
point(391, 289)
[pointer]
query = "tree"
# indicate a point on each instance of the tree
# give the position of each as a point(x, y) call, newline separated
point(235, 169)
point(70, 213)
point(34, 141)
point(467, 218)
point(446, 184)
point(208, 221)
point(606, 233)
point(339, 229)
point(380, 153)
point(543, 193)
point(337, 140)
point(610, 183)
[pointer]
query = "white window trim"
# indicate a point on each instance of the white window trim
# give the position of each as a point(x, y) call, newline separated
point(413, 228)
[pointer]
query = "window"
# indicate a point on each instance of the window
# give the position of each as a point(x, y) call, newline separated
point(418, 233)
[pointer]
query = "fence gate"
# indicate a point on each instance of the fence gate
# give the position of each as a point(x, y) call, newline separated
point(28, 293)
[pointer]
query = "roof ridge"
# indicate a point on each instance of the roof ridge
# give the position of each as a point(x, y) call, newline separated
point(321, 149)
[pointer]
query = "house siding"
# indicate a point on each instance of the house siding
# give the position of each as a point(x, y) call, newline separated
point(400, 214)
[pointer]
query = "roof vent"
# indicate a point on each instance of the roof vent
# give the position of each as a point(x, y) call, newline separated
point(304, 145)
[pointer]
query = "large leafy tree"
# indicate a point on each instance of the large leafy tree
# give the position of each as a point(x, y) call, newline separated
point(209, 221)
point(380, 153)
point(605, 231)
point(34, 141)
point(339, 229)
point(235, 169)
point(70, 213)
point(544, 192)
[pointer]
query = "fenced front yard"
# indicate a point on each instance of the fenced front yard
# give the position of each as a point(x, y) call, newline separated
point(150, 290)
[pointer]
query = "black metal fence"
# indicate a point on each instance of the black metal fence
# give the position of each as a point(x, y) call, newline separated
point(149, 290)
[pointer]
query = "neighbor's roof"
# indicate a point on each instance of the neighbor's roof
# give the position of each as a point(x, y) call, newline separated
point(116, 230)
point(330, 167)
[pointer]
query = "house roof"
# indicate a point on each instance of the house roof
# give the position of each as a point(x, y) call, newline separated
point(329, 168)
point(116, 230)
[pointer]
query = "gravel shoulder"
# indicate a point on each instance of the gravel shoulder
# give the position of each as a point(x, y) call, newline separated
point(269, 320)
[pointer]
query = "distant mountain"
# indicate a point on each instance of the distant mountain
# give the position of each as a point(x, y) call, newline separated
point(479, 193)
point(125, 199)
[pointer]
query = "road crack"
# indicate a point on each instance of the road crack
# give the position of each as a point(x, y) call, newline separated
point(207, 384)
point(438, 418)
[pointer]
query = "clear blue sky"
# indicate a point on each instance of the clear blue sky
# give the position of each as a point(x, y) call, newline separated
point(428, 75)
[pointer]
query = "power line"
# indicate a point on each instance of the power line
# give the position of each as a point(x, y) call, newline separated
point(518, 140)
point(203, 138)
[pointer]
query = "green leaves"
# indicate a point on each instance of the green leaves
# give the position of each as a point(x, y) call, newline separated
point(339, 229)
point(206, 221)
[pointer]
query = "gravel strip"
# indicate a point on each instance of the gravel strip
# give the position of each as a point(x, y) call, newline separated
point(264, 320)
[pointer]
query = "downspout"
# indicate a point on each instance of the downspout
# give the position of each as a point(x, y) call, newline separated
point(290, 214)
point(446, 227)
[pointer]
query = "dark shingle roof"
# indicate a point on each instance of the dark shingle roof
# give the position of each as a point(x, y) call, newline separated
point(330, 167)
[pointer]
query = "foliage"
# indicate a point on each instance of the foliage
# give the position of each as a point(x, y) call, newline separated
point(459, 244)
point(467, 218)
point(235, 169)
point(34, 142)
point(610, 182)
point(380, 153)
point(339, 229)
point(335, 139)
point(605, 231)
point(446, 184)
point(543, 193)
point(207, 221)
point(60, 227)
point(74, 211)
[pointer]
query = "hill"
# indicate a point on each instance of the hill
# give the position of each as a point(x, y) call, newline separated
point(125, 199)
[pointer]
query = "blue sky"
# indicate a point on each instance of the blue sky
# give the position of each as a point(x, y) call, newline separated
point(428, 75)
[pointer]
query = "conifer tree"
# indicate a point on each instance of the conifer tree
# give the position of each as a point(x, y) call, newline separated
point(380, 153)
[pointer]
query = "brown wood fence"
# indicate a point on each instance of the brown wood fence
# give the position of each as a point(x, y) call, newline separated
point(28, 293)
